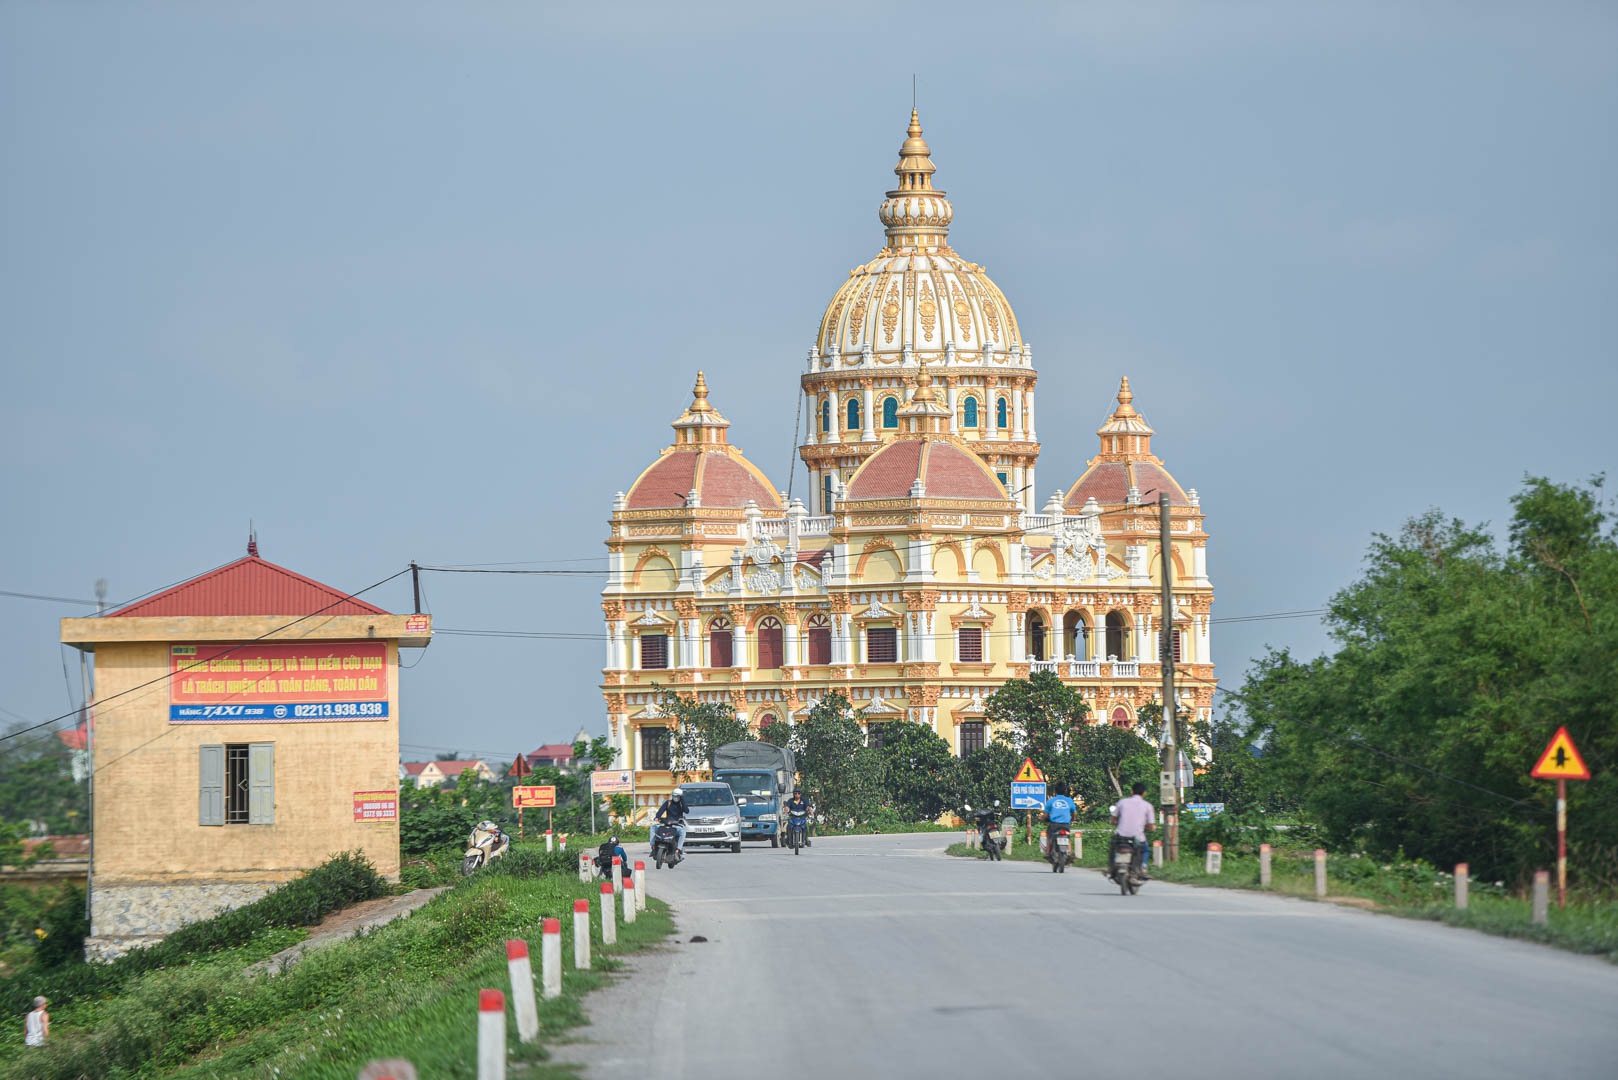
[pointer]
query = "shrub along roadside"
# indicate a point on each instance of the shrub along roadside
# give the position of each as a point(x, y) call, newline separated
point(1410, 888)
point(343, 879)
point(407, 989)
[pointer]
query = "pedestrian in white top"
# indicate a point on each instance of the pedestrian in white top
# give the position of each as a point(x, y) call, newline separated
point(38, 1024)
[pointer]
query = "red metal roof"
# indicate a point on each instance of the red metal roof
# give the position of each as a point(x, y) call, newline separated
point(248, 586)
point(553, 752)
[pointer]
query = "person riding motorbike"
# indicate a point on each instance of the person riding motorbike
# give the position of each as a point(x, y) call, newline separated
point(798, 804)
point(1059, 810)
point(1133, 818)
point(672, 812)
point(604, 856)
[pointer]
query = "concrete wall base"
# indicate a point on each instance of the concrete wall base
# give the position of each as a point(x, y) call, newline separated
point(132, 916)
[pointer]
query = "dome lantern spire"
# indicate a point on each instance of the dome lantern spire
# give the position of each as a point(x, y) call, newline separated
point(701, 422)
point(916, 215)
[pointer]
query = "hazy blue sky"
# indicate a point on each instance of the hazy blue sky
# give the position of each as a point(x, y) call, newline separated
point(430, 282)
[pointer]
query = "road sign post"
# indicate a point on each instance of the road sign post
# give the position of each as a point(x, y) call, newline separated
point(1561, 762)
point(1028, 793)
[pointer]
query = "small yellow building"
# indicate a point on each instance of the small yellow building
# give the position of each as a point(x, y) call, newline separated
point(245, 729)
point(918, 572)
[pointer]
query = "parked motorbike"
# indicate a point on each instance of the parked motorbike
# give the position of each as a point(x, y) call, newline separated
point(989, 840)
point(1059, 851)
point(665, 846)
point(488, 841)
point(1122, 858)
point(797, 830)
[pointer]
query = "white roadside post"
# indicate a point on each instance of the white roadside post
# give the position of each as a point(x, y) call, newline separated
point(388, 1069)
point(1214, 860)
point(617, 875)
point(1157, 853)
point(629, 900)
point(1078, 845)
point(550, 960)
point(640, 888)
point(521, 970)
point(550, 841)
point(1264, 866)
point(584, 868)
point(562, 841)
point(1007, 833)
point(1462, 883)
point(1542, 897)
point(581, 935)
point(491, 1035)
point(609, 925)
point(1320, 873)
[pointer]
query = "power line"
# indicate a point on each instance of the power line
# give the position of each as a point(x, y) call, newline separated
point(52, 599)
point(225, 652)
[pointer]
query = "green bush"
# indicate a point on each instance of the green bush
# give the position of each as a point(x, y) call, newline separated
point(66, 924)
point(344, 879)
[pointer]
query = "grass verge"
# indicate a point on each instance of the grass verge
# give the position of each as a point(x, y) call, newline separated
point(1409, 889)
point(408, 989)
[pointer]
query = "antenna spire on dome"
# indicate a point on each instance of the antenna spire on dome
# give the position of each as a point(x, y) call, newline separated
point(699, 395)
point(916, 214)
point(1125, 397)
point(915, 169)
point(701, 422)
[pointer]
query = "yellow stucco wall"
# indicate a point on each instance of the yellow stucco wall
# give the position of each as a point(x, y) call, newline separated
point(147, 770)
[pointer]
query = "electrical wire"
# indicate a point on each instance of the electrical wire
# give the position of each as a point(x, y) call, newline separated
point(225, 652)
point(52, 599)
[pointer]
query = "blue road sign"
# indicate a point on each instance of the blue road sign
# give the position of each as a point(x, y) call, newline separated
point(1027, 796)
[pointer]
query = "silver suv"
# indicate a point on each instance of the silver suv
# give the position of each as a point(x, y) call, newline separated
point(712, 816)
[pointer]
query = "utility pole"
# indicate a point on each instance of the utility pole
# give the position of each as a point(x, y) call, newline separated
point(86, 718)
point(415, 584)
point(1171, 713)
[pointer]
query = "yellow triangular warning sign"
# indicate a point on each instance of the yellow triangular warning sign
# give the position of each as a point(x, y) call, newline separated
point(1030, 775)
point(1561, 760)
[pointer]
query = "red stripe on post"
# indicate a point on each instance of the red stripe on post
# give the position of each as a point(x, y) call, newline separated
point(554, 926)
point(491, 1001)
point(516, 950)
point(581, 907)
point(639, 866)
point(606, 888)
point(629, 883)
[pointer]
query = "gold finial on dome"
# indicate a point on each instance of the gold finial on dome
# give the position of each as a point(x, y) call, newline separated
point(701, 422)
point(924, 413)
point(699, 395)
point(915, 214)
point(915, 169)
point(1125, 396)
point(924, 383)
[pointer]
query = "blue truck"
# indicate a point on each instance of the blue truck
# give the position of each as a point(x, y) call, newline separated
point(762, 775)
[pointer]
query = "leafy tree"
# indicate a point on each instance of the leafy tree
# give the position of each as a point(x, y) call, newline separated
point(988, 773)
point(1041, 713)
point(840, 774)
point(921, 778)
point(37, 784)
point(1455, 663)
point(1101, 763)
point(700, 728)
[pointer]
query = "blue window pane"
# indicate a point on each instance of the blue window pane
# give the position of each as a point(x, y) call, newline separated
point(971, 411)
point(890, 412)
point(825, 416)
point(1000, 413)
point(853, 414)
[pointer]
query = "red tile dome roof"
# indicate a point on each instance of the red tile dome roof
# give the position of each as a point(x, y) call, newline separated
point(946, 470)
point(720, 477)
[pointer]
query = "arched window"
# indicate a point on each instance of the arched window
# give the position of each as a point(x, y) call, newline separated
point(825, 415)
point(721, 642)
point(1036, 637)
point(1117, 636)
point(970, 412)
point(825, 497)
point(1000, 413)
point(1075, 636)
point(853, 414)
point(890, 412)
point(769, 643)
point(1120, 718)
point(819, 639)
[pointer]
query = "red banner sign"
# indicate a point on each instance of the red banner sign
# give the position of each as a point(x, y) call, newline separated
point(528, 797)
point(376, 806)
point(316, 680)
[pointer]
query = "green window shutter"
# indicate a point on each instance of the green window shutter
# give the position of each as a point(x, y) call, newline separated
point(211, 802)
point(261, 783)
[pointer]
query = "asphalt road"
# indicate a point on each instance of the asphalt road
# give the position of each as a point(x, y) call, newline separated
point(880, 957)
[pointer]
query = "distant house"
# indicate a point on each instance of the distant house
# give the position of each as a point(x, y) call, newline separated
point(555, 755)
point(430, 774)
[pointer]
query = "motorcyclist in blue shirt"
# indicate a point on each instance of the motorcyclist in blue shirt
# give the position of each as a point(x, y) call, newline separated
point(1059, 810)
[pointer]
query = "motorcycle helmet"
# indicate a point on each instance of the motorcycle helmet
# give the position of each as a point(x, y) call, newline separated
point(678, 791)
point(613, 841)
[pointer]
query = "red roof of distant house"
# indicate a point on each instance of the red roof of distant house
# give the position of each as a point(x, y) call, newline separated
point(455, 768)
point(552, 752)
point(75, 846)
point(412, 768)
point(248, 586)
point(77, 739)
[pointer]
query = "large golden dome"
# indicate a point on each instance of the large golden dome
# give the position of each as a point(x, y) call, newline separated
point(918, 296)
